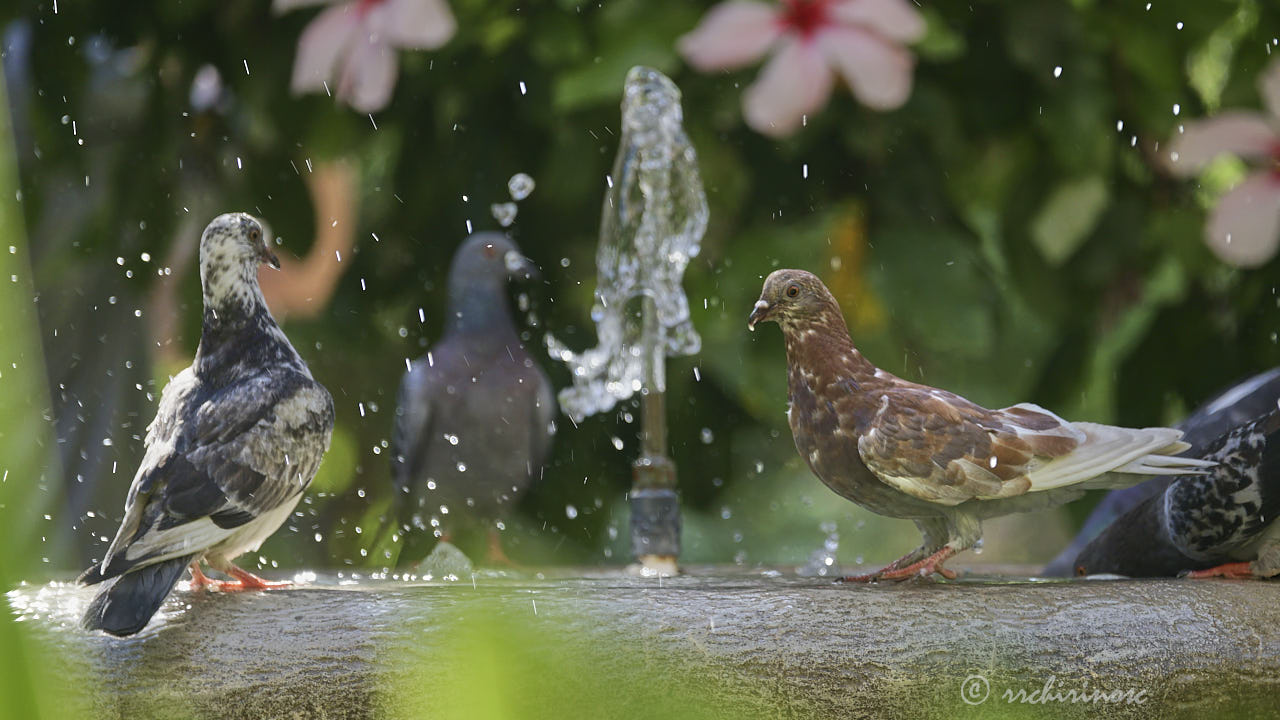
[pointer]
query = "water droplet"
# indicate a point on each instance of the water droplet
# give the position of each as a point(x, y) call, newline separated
point(504, 213)
point(617, 442)
point(462, 467)
point(520, 186)
point(1057, 71)
point(570, 512)
point(707, 436)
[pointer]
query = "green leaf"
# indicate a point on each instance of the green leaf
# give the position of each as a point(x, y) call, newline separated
point(1067, 218)
point(931, 283)
point(940, 43)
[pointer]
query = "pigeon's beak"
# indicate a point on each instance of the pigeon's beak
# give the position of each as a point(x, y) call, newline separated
point(759, 313)
point(268, 257)
point(520, 267)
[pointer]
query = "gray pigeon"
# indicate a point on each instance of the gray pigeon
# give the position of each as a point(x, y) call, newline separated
point(1245, 401)
point(1221, 524)
point(235, 442)
point(474, 421)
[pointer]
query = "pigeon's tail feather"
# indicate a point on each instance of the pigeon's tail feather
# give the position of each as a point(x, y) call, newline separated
point(1113, 456)
point(126, 603)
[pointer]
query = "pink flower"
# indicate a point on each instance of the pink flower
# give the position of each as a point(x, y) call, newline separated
point(1244, 228)
point(349, 49)
point(859, 39)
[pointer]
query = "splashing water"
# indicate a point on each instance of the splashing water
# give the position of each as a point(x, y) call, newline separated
point(654, 214)
point(822, 561)
point(520, 186)
point(504, 213)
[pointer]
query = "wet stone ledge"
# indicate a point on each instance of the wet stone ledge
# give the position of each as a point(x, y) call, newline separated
point(715, 643)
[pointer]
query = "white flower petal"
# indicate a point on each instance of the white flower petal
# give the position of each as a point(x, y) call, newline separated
point(796, 82)
point(368, 74)
point(415, 24)
point(1241, 133)
point(731, 35)
point(322, 43)
point(894, 19)
point(1244, 229)
point(878, 71)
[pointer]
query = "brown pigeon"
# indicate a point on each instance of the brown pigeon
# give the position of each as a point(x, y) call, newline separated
point(906, 450)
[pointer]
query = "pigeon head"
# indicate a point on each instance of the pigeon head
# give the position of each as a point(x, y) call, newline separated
point(231, 249)
point(482, 266)
point(493, 257)
point(793, 298)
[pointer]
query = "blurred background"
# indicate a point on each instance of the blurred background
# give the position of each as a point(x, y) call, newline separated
point(1009, 231)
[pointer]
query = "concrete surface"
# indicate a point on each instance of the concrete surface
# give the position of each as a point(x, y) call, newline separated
point(716, 642)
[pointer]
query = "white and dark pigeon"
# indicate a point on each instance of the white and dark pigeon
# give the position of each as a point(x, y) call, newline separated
point(906, 450)
point(237, 438)
point(1219, 524)
point(475, 416)
point(1239, 404)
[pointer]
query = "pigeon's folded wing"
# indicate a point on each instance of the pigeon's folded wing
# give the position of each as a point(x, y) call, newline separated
point(217, 462)
point(1235, 503)
point(939, 447)
point(413, 417)
point(544, 415)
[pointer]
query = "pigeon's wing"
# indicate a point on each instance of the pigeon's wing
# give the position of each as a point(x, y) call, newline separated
point(940, 447)
point(413, 418)
point(543, 431)
point(218, 460)
point(1210, 515)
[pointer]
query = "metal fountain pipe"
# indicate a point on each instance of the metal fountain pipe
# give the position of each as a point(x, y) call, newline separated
point(654, 214)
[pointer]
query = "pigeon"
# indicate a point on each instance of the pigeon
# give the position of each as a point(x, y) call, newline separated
point(907, 450)
point(475, 416)
point(1231, 408)
point(236, 439)
point(1219, 524)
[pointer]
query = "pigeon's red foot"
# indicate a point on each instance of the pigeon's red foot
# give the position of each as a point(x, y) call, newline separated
point(1232, 571)
point(199, 580)
point(869, 577)
point(922, 568)
point(246, 580)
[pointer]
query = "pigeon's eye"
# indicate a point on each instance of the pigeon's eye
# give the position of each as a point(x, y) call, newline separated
point(490, 251)
point(1080, 571)
point(793, 291)
point(255, 234)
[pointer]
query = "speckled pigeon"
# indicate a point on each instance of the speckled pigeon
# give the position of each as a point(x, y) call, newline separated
point(907, 450)
point(235, 442)
point(1220, 524)
point(1242, 402)
point(474, 421)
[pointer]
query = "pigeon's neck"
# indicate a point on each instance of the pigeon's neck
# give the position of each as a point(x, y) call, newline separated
point(479, 310)
point(822, 345)
point(238, 331)
point(231, 291)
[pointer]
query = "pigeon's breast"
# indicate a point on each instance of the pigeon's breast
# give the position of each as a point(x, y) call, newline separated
point(830, 447)
point(481, 451)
